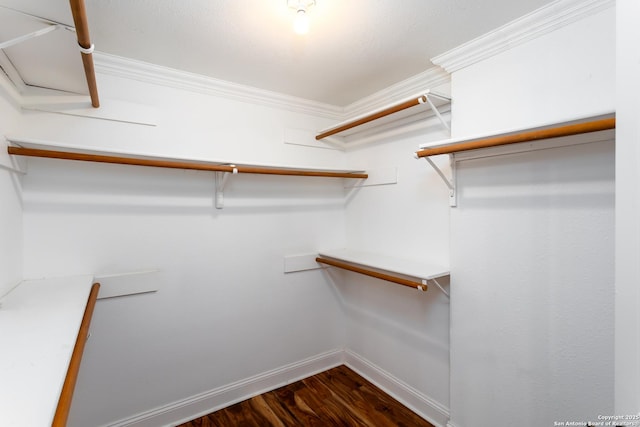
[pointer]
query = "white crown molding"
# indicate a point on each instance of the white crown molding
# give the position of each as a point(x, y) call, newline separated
point(117, 66)
point(150, 73)
point(548, 18)
point(428, 79)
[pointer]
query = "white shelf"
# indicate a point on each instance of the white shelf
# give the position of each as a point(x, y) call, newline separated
point(513, 131)
point(222, 170)
point(407, 267)
point(39, 324)
point(581, 130)
point(40, 144)
point(403, 116)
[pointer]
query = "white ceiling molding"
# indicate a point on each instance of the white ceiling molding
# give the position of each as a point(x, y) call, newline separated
point(149, 73)
point(432, 78)
point(533, 25)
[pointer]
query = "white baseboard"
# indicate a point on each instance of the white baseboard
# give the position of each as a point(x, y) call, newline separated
point(429, 409)
point(201, 404)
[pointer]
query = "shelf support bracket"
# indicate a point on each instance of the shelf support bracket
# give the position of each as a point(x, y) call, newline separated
point(435, 110)
point(221, 183)
point(424, 282)
point(450, 183)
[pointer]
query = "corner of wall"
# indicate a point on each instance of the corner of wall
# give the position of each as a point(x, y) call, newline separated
point(11, 201)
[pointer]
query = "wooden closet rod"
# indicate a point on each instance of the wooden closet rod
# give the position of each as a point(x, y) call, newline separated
point(371, 273)
point(66, 395)
point(387, 111)
point(533, 135)
point(51, 154)
point(79, 12)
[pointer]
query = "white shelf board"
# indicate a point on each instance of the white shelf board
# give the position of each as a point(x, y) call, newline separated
point(408, 267)
point(510, 131)
point(401, 118)
point(58, 146)
point(39, 324)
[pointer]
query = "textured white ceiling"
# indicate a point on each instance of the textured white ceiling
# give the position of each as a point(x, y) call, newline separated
point(354, 47)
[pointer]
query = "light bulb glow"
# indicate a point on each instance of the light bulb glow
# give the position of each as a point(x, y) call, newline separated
point(301, 23)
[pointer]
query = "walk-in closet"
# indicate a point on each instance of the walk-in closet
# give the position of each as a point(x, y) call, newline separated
point(318, 212)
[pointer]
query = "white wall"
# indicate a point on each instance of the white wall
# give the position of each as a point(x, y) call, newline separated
point(224, 311)
point(627, 209)
point(527, 354)
point(532, 247)
point(558, 76)
point(10, 206)
point(402, 331)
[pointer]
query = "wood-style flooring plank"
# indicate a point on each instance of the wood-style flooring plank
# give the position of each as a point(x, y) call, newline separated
point(337, 397)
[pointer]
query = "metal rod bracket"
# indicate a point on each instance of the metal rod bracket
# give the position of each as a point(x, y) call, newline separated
point(450, 183)
point(86, 51)
point(221, 182)
point(439, 287)
point(435, 110)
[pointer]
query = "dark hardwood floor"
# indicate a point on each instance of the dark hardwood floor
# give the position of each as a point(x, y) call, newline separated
point(337, 397)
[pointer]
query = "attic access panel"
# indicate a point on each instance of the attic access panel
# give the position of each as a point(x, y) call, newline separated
point(50, 61)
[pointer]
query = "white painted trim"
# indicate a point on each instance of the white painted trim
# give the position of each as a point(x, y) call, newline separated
point(169, 77)
point(150, 73)
point(421, 404)
point(112, 65)
point(204, 403)
point(548, 18)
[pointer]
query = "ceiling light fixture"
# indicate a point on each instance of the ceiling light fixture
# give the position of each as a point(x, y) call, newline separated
point(301, 22)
